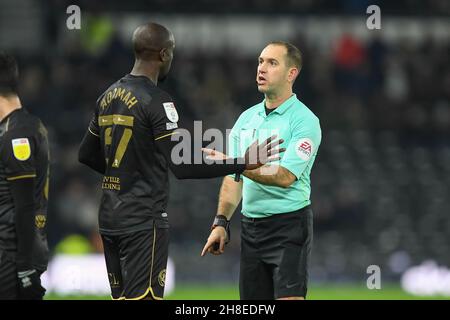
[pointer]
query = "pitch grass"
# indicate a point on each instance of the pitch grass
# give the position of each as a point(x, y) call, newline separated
point(321, 292)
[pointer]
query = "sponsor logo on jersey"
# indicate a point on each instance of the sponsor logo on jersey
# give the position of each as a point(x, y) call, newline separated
point(304, 148)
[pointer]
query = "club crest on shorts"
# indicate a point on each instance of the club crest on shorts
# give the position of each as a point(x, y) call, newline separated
point(21, 149)
point(162, 278)
point(40, 221)
point(304, 148)
point(171, 112)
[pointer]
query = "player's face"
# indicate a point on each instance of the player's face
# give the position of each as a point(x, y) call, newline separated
point(272, 73)
point(167, 61)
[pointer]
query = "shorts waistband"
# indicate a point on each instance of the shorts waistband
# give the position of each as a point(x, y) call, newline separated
point(278, 215)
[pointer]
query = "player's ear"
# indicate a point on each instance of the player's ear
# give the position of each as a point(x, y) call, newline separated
point(164, 55)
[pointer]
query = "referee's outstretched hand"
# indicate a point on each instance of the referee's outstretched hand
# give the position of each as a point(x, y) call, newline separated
point(216, 242)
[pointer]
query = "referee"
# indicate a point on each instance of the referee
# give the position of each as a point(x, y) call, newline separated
point(277, 220)
point(24, 167)
point(129, 141)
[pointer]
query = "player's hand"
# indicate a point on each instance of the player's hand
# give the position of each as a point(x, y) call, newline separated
point(258, 155)
point(214, 154)
point(30, 287)
point(216, 241)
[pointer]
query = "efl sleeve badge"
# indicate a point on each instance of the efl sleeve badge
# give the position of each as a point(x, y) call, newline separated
point(21, 149)
point(171, 112)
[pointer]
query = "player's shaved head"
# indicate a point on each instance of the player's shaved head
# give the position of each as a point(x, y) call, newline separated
point(153, 49)
point(149, 39)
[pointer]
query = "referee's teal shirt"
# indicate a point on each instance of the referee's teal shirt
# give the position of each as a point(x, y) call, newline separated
point(300, 129)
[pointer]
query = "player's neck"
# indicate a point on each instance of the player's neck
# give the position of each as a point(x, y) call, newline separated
point(274, 100)
point(146, 69)
point(8, 105)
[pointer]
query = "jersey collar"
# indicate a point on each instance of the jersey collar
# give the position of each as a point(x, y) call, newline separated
point(130, 76)
point(9, 115)
point(281, 108)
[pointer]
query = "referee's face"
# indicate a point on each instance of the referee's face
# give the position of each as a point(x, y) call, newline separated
point(272, 72)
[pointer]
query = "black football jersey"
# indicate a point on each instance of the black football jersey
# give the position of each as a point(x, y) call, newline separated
point(129, 117)
point(24, 153)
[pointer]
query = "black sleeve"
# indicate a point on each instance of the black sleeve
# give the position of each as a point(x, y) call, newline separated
point(91, 152)
point(18, 155)
point(202, 170)
point(17, 152)
point(22, 191)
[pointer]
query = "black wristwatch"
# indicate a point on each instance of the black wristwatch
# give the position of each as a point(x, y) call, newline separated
point(221, 221)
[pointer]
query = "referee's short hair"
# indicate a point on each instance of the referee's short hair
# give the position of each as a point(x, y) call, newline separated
point(294, 55)
point(9, 74)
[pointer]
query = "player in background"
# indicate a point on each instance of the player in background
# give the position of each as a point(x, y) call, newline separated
point(24, 182)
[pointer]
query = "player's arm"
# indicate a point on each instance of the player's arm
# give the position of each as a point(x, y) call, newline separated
point(17, 153)
point(196, 171)
point(163, 118)
point(90, 152)
point(229, 197)
point(22, 192)
point(203, 170)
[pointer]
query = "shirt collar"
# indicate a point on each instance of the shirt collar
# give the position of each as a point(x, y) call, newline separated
point(9, 115)
point(281, 108)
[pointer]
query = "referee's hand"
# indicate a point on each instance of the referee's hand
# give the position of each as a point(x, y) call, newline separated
point(216, 242)
point(258, 155)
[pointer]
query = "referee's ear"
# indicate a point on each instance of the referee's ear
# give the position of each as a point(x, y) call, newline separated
point(293, 74)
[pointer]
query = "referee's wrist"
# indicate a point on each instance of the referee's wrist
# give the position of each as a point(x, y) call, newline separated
point(221, 220)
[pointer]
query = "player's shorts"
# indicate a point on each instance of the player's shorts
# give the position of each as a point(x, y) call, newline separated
point(275, 254)
point(136, 262)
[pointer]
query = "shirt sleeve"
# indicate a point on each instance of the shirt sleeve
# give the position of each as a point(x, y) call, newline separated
point(234, 142)
point(163, 116)
point(303, 146)
point(93, 127)
point(17, 152)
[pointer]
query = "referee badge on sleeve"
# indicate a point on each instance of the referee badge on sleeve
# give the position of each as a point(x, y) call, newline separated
point(304, 148)
point(21, 149)
point(171, 112)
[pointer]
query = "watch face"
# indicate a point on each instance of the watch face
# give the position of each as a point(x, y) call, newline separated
point(221, 221)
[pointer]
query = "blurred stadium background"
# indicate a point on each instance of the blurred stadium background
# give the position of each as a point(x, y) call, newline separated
point(381, 182)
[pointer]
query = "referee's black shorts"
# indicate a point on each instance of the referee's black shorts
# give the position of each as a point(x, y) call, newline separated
point(136, 262)
point(275, 254)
